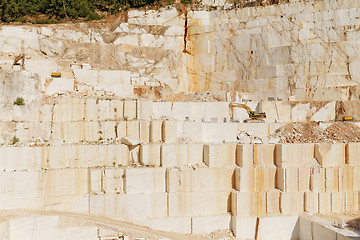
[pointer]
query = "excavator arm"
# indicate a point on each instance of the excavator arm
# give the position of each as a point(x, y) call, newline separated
point(252, 114)
point(239, 105)
point(18, 58)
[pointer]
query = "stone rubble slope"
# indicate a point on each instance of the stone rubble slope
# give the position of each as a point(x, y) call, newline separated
point(313, 133)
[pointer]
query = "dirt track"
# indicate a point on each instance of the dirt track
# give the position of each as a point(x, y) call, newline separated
point(107, 222)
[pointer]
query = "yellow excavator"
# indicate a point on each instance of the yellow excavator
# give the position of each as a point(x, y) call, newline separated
point(254, 117)
point(18, 58)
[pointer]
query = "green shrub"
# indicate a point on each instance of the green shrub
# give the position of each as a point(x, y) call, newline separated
point(19, 101)
point(93, 16)
point(14, 140)
point(22, 20)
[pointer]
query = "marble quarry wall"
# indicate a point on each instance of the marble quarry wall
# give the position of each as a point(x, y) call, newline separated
point(306, 50)
point(189, 177)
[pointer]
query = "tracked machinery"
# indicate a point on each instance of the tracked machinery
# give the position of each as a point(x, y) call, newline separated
point(253, 116)
point(17, 61)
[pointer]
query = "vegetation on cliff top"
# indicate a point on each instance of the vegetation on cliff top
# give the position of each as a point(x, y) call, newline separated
point(55, 10)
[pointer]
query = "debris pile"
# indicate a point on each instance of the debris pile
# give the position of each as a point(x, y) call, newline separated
point(312, 133)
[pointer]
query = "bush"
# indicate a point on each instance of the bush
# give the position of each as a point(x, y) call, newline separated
point(42, 21)
point(22, 20)
point(19, 101)
point(14, 140)
point(93, 16)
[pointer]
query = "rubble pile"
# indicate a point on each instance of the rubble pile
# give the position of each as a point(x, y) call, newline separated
point(340, 132)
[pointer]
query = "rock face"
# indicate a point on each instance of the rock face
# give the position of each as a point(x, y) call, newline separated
point(185, 167)
point(303, 49)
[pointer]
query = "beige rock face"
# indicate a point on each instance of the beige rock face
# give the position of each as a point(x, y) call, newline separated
point(180, 166)
point(277, 52)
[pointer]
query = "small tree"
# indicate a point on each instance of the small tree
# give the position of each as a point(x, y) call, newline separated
point(19, 101)
point(14, 140)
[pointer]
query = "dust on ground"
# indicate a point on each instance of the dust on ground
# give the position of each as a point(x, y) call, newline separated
point(311, 132)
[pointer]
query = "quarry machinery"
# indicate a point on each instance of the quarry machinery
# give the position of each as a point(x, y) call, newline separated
point(18, 58)
point(254, 117)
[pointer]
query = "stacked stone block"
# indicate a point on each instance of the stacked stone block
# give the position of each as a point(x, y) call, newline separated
point(193, 184)
point(186, 176)
point(91, 120)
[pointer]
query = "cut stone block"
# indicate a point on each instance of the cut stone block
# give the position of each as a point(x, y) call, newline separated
point(195, 153)
point(245, 155)
point(118, 106)
point(305, 227)
point(351, 201)
point(260, 130)
point(113, 180)
point(144, 109)
point(265, 178)
point(275, 110)
point(130, 109)
point(246, 204)
point(137, 206)
point(311, 202)
point(62, 182)
point(198, 203)
point(96, 177)
point(330, 155)
point(156, 131)
point(291, 203)
point(78, 109)
point(293, 155)
point(133, 129)
point(209, 224)
point(331, 179)
point(150, 154)
point(273, 202)
point(317, 180)
point(356, 180)
point(352, 154)
point(282, 227)
point(144, 131)
point(264, 154)
point(199, 180)
point(195, 132)
point(144, 180)
point(325, 114)
point(121, 129)
point(91, 110)
point(338, 202)
point(346, 178)
point(62, 110)
point(109, 130)
point(169, 131)
point(243, 227)
point(219, 155)
point(322, 232)
point(212, 132)
point(106, 110)
point(173, 155)
point(299, 112)
point(91, 131)
point(121, 155)
point(304, 179)
point(287, 179)
point(245, 179)
point(325, 202)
